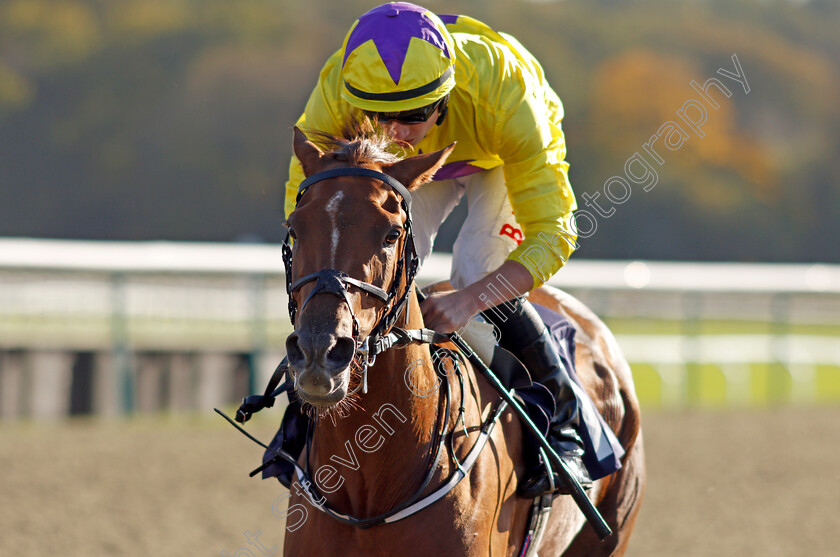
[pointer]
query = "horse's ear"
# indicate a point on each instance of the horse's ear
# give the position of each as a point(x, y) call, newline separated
point(419, 169)
point(307, 152)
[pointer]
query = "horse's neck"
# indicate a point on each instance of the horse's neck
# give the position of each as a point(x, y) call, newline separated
point(383, 446)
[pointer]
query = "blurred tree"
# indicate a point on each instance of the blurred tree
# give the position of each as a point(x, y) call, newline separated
point(143, 119)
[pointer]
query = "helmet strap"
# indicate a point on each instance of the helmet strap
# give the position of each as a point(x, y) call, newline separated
point(442, 115)
point(442, 110)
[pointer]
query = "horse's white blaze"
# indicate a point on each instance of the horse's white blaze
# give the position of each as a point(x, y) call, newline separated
point(332, 211)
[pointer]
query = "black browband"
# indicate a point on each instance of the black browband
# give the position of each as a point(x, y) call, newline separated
point(356, 171)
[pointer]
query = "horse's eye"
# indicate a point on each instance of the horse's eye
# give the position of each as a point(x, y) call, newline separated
point(393, 236)
point(292, 233)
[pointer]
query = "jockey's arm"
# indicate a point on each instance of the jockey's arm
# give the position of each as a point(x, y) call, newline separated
point(530, 141)
point(532, 145)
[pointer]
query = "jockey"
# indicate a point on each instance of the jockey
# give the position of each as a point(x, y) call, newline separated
point(433, 80)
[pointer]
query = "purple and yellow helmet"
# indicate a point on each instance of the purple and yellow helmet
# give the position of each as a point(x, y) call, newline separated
point(397, 57)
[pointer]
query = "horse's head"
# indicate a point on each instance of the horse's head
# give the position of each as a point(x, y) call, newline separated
point(351, 257)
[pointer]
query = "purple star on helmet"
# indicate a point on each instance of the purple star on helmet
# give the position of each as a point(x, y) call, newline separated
point(391, 28)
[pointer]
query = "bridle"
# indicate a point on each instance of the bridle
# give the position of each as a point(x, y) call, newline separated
point(335, 282)
point(383, 336)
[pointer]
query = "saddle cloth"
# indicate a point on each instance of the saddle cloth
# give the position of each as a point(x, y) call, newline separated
point(603, 451)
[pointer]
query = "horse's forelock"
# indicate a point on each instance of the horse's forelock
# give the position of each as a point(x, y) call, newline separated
point(361, 142)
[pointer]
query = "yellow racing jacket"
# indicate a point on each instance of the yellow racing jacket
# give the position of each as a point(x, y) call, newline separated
point(502, 112)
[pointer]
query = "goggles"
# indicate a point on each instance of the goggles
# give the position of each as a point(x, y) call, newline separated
point(408, 117)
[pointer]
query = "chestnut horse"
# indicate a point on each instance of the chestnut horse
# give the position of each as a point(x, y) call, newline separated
point(382, 445)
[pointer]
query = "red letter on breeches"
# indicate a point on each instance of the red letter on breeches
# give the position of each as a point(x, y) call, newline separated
point(515, 233)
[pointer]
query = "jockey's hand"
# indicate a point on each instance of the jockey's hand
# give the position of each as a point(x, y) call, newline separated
point(446, 312)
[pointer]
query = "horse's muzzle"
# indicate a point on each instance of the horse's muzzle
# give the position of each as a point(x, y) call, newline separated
point(318, 364)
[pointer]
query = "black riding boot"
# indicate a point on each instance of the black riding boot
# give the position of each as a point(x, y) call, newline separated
point(525, 334)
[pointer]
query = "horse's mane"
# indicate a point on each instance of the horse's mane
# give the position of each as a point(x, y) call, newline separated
point(361, 141)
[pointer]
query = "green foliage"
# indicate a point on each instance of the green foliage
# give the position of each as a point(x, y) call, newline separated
point(145, 119)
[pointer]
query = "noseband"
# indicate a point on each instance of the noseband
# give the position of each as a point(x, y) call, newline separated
point(335, 282)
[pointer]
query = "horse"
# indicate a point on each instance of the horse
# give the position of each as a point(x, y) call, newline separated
point(386, 432)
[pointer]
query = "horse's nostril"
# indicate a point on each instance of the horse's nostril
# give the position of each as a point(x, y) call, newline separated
point(294, 353)
point(341, 354)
